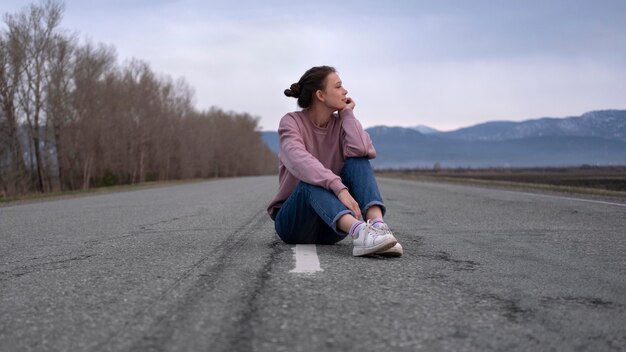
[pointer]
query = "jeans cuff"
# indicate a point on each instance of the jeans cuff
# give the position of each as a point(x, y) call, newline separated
point(341, 213)
point(372, 203)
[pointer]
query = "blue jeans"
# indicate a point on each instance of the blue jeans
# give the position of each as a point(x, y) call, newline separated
point(310, 214)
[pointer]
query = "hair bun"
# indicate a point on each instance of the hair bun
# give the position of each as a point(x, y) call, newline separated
point(293, 91)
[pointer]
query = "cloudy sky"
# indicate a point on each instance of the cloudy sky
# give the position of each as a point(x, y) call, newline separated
point(444, 64)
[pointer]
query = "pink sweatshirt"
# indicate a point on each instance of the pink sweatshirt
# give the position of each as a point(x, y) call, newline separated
point(316, 155)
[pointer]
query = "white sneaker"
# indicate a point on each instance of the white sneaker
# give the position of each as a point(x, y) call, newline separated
point(395, 251)
point(372, 240)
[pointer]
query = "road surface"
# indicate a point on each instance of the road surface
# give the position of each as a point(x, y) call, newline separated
point(197, 267)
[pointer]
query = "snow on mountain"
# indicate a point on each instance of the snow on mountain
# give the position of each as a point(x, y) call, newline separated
point(425, 129)
point(609, 124)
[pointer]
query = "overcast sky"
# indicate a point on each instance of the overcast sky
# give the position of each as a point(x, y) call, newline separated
point(444, 64)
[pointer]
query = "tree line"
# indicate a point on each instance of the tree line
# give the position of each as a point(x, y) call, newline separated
point(71, 117)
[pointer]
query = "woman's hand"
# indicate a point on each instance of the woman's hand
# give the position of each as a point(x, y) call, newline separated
point(346, 198)
point(351, 104)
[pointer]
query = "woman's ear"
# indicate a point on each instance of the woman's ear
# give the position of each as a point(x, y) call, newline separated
point(319, 95)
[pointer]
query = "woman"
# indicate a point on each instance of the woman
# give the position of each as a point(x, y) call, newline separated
point(327, 188)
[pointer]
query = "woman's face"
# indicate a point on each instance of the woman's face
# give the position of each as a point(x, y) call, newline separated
point(334, 94)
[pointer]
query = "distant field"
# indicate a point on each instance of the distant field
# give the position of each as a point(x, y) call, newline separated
point(595, 180)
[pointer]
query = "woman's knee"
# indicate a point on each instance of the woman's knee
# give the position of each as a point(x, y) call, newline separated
point(361, 161)
point(356, 166)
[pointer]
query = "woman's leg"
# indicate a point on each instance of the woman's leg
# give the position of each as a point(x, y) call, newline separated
point(357, 174)
point(311, 215)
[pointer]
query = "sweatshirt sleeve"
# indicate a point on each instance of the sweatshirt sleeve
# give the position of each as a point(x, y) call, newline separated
point(356, 142)
point(300, 162)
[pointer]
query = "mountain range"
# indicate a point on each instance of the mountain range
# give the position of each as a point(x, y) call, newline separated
point(594, 138)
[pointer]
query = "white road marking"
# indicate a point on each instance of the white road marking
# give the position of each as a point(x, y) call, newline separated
point(306, 259)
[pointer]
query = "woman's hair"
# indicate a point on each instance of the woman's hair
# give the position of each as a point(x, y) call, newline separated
point(310, 82)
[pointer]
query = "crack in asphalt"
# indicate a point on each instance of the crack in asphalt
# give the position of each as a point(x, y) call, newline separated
point(594, 302)
point(52, 265)
point(512, 309)
point(242, 339)
point(458, 265)
point(167, 221)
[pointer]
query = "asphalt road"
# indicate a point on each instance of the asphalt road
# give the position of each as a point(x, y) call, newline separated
point(197, 267)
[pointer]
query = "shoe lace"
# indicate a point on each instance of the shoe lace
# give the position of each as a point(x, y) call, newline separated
point(374, 230)
point(385, 229)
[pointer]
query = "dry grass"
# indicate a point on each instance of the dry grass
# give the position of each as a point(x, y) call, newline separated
point(598, 181)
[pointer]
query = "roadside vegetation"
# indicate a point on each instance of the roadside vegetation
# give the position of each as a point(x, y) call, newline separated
point(73, 118)
point(593, 180)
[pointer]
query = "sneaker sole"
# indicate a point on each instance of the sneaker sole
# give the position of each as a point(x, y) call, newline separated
point(361, 251)
point(390, 254)
point(395, 251)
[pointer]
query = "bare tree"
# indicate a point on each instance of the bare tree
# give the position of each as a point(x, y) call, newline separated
point(224, 144)
point(11, 59)
point(92, 65)
point(34, 32)
point(59, 91)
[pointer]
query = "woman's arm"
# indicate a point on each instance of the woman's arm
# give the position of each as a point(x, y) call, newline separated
point(355, 141)
point(300, 162)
